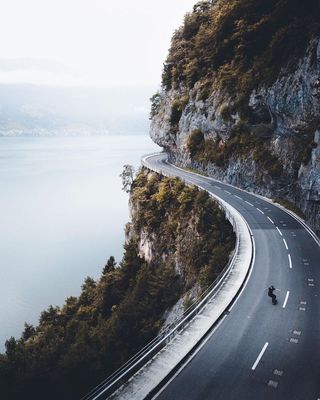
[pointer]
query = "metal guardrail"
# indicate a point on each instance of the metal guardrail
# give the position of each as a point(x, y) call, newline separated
point(143, 356)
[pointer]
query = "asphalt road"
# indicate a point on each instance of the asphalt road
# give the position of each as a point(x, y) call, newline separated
point(260, 351)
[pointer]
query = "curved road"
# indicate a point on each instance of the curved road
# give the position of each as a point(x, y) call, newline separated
point(260, 351)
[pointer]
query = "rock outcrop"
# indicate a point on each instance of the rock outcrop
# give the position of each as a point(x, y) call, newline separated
point(180, 229)
point(265, 139)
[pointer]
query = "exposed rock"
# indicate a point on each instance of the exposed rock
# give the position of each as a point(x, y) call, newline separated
point(170, 229)
point(285, 115)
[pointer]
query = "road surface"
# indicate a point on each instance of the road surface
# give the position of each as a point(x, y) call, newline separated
point(260, 351)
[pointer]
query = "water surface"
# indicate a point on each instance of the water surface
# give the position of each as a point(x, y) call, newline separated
point(62, 215)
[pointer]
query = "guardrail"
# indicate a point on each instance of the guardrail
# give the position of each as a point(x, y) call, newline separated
point(143, 356)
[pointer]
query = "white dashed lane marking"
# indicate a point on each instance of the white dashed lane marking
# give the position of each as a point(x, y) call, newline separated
point(279, 230)
point(238, 197)
point(250, 204)
point(264, 348)
point(227, 191)
point(285, 243)
point(270, 220)
point(260, 210)
point(286, 300)
point(290, 261)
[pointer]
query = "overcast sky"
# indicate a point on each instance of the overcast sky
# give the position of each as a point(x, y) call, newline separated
point(90, 42)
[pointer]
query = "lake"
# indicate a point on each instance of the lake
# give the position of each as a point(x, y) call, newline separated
point(62, 215)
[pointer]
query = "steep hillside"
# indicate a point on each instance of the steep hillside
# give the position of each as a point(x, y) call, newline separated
point(77, 345)
point(240, 97)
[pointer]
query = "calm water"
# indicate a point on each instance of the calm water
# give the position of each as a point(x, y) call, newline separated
point(62, 215)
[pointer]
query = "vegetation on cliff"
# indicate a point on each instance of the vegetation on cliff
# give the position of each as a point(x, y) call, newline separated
point(240, 144)
point(76, 345)
point(250, 72)
point(244, 43)
point(191, 231)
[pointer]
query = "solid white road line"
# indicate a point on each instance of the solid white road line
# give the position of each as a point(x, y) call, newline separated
point(285, 243)
point(260, 210)
point(238, 197)
point(279, 230)
point(250, 204)
point(270, 220)
point(264, 348)
point(290, 261)
point(286, 299)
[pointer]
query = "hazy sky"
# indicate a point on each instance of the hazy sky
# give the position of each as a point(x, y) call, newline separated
point(100, 42)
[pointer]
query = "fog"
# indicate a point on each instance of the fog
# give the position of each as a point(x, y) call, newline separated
point(96, 42)
point(40, 110)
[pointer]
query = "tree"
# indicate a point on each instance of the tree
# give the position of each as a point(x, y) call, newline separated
point(127, 177)
point(110, 266)
point(155, 104)
point(11, 347)
point(29, 331)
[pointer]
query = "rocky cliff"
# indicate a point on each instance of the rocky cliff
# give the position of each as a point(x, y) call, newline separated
point(177, 243)
point(180, 229)
point(240, 98)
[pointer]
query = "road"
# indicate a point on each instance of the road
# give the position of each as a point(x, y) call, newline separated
point(260, 351)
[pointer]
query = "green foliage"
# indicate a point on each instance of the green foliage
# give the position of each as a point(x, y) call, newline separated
point(205, 91)
point(110, 266)
point(245, 43)
point(225, 113)
point(29, 332)
point(187, 223)
point(155, 104)
point(75, 346)
point(196, 142)
point(267, 161)
point(177, 108)
point(240, 144)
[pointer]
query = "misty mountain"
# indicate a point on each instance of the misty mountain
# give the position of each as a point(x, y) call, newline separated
point(32, 110)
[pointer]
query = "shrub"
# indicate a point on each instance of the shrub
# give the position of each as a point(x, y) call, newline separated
point(155, 104)
point(195, 142)
point(177, 108)
point(225, 113)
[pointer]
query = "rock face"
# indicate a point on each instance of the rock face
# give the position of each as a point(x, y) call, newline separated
point(180, 231)
point(284, 118)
